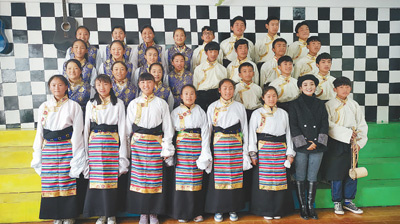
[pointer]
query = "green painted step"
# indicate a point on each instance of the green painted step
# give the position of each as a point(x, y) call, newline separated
point(391, 130)
point(381, 148)
point(381, 168)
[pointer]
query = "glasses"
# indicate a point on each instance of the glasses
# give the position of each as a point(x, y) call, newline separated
point(208, 33)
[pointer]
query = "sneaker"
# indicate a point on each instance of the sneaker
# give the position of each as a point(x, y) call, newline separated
point(338, 208)
point(277, 217)
point(68, 221)
point(233, 216)
point(57, 221)
point(101, 220)
point(144, 219)
point(218, 217)
point(153, 219)
point(352, 207)
point(268, 217)
point(182, 220)
point(111, 220)
point(198, 219)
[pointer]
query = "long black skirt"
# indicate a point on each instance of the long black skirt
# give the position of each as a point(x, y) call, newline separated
point(270, 203)
point(59, 207)
point(222, 201)
point(336, 161)
point(101, 202)
point(81, 189)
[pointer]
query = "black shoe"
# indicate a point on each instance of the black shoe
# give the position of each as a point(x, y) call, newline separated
point(312, 190)
point(301, 194)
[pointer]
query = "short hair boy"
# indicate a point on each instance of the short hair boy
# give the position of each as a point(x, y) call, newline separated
point(263, 48)
point(324, 90)
point(269, 70)
point(199, 54)
point(297, 49)
point(306, 65)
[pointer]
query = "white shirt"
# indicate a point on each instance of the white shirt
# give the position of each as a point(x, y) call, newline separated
point(248, 95)
point(228, 47)
point(196, 119)
point(60, 115)
point(102, 57)
point(287, 88)
point(297, 50)
point(111, 115)
point(233, 70)
point(304, 66)
point(276, 124)
point(263, 48)
point(152, 115)
point(234, 114)
point(208, 75)
point(325, 87)
point(343, 115)
point(269, 71)
point(199, 56)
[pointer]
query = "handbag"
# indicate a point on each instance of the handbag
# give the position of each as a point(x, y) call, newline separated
point(356, 172)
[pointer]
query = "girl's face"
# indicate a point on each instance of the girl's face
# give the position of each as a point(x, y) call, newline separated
point(147, 35)
point(73, 71)
point(119, 72)
point(270, 98)
point(227, 90)
point(118, 34)
point(83, 34)
point(178, 63)
point(79, 49)
point(147, 87)
point(151, 56)
point(58, 88)
point(308, 87)
point(188, 96)
point(157, 72)
point(103, 88)
point(179, 37)
point(117, 51)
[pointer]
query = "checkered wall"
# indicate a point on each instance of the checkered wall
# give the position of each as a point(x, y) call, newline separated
point(364, 42)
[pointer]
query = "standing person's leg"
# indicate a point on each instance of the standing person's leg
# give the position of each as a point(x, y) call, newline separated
point(313, 168)
point(301, 161)
point(350, 190)
point(337, 195)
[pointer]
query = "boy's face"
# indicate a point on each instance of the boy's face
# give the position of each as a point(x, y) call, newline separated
point(157, 72)
point(118, 34)
point(272, 27)
point(308, 87)
point(238, 28)
point(151, 56)
point(303, 32)
point(241, 51)
point(314, 47)
point(179, 38)
point(207, 36)
point(147, 87)
point(178, 63)
point(324, 65)
point(246, 73)
point(286, 67)
point(212, 55)
point(279, 49)
point(342, 91)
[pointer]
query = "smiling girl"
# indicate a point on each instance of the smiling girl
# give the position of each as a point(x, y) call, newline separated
point(117, 49)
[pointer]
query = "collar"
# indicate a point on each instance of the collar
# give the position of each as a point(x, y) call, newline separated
point(105, 101)
point(60, 102)
point(272, 37)
point(211, 63)
point(180, 48)
point(287, 79)
point(270, 111)
point(183, 106)
point(179, 73)
point(245, 84)
point(241, 61)
point(342, 101)
point(73, 85)
point(311, 57)
point(152, 44)
point(304, 42)
point(122, 83)
point(323, 77)
point(225, 103)
point(236, 37)
point(147, 98)
point(159, 85)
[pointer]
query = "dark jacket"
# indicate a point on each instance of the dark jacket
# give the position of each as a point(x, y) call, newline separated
point(308, 124)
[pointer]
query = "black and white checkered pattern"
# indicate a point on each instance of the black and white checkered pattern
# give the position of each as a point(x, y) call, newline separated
point(364, 42)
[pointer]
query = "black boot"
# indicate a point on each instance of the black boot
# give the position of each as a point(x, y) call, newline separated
point(312, 190)
point(301, 194)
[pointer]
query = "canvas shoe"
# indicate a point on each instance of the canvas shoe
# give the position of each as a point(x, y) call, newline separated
point(338, 208)
point(233, 216)
point(352, 207)
point(218, 217)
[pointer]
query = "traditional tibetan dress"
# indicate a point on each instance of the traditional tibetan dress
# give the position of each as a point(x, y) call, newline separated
point(269, 136)
point(228, 47)
point(92, 55)
point(139, 52)
point(287, 91)
point(249, 95)
point(297, 50)
point(225, 191)
point(125, 90)
point(80, 93)
point(59, 157)
point(88, 73)
point(105, 54)
point(187, 53)
point(105, 68)
point(233, 70)
point(176, 81)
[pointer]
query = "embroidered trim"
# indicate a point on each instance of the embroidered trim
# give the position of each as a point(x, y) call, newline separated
point(147, 100)
point(337, 110)
point(212, 65)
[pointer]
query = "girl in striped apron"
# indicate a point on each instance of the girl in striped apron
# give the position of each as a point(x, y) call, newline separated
point(227, 118)
point(149, 121)
point(59, 154)
point(193, 156)
point(105, 142)
point(269, 136)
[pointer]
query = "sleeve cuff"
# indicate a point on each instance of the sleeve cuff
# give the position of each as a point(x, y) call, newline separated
point(299, 141)
point(323, 139)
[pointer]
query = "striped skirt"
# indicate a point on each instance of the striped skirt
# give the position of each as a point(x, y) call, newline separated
point(103, 160)
point(147, 165)
point(272, 172)
point(56, 158)
point(188, 176)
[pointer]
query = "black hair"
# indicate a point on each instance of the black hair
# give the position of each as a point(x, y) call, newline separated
point(147, 26)
point(151, 47)
point(226, 80)
point(119, 62)
point(178, 54)
point(299, 25)
point(265, 91)
point(189, 85)
point(82, 27)
point(278, 40)
point(146, 76)
point(240, 18)
point(116, 41)
point(118, 27)
point(156, 63)
point(207, 28)
point(245, 64)
point(240, 42)
point(313, 38)
point(106, 79)
point(179, 28)
point(62, 78)
point(341, 81)
point(73, 60)
point(284, 58)
point(86, 56)
point(270, 18)
point(211, 46)
point(323, 56)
